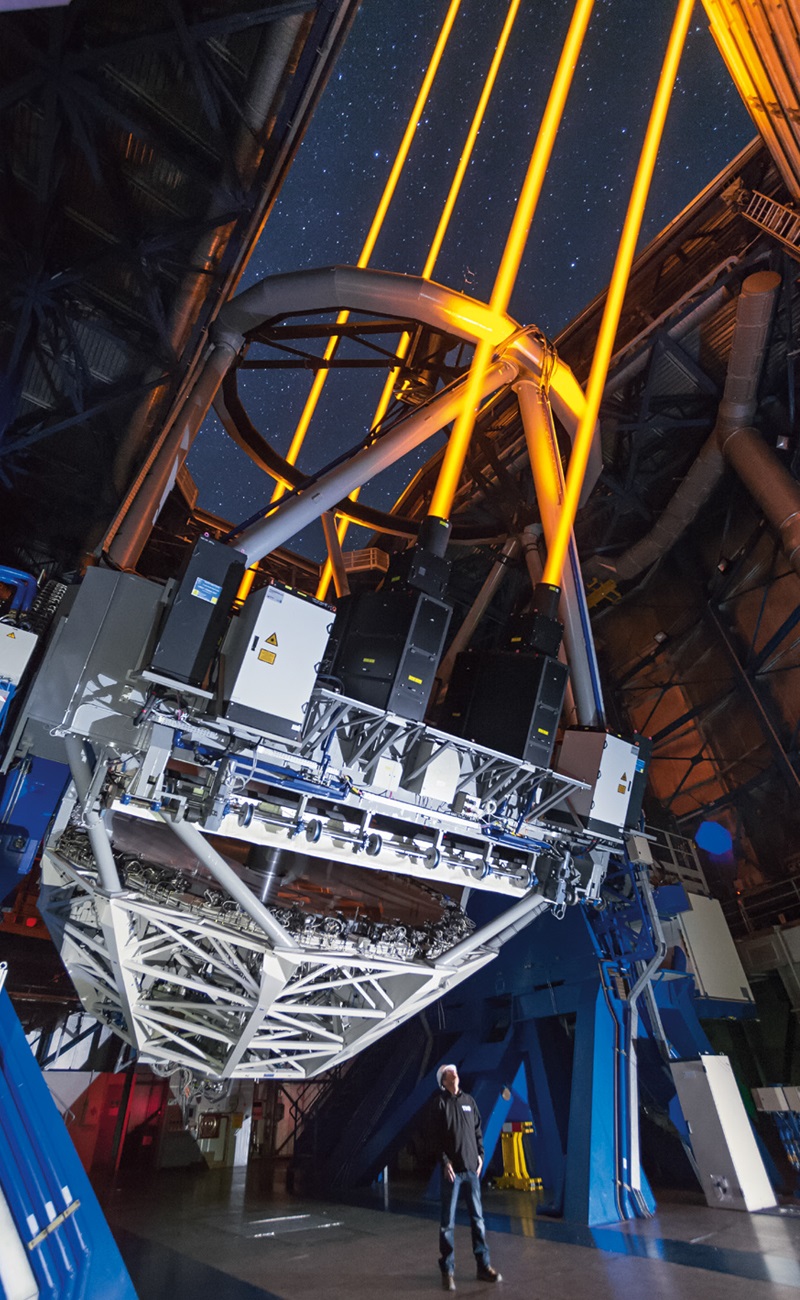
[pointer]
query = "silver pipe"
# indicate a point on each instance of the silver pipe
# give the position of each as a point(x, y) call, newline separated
point(498, 931)
point(409, 297)
point(547, 478)
point(298, 511)
point(82, 777)
point(227, 878)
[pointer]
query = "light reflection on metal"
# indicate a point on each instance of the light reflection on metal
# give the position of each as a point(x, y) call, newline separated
point(616, 293)
point(436, 246)
point(455, 454)
point(758, 42)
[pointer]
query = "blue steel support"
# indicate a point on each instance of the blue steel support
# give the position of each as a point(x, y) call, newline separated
point(591, 1191)
point(550, 1110)
point(29, 795)
point(55, 1212)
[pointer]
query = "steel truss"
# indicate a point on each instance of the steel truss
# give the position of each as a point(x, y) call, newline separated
point(217, 997)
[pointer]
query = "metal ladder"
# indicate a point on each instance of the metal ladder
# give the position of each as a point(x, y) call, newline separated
point(776, 219)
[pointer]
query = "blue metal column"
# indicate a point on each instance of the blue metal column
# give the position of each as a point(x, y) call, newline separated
point(57, 1218)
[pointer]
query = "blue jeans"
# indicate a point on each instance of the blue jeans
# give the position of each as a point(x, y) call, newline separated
point(472, 1191)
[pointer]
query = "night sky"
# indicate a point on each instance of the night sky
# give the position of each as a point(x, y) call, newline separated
point(333, 188)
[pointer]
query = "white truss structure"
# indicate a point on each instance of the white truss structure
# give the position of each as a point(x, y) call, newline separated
point(208, 990)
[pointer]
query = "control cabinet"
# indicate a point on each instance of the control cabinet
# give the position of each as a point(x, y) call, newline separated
point(270, 660)
point(610, 765)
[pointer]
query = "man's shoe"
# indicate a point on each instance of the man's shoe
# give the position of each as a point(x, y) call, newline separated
point(489, 1275)
point(448, 1282)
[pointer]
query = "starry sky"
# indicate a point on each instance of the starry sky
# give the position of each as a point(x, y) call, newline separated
point(333, 188)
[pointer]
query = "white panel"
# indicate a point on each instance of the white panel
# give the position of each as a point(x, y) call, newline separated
point(732, 1172)
point(711, 951)
point(273, 653)
point(608, 764)
point(16, 648)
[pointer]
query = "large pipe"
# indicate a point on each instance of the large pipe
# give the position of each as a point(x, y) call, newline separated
point(83, 777)
point(548, 482)
point(408, 297)
point(327, 491)
point(227, 878)
point(770, 484)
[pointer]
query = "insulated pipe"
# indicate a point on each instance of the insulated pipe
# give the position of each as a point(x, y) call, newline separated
point(496, 932)
point(548, 481)
point(408, 297)
point(477, 609)
point(769, 483)
point(227, 878)
point(327, 491)
point(774, 489)
point(82, 777)
point(155, 481)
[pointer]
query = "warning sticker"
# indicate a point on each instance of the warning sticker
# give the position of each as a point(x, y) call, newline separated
point(267, 656)
point(205, 590)
point(11, 636)
point(272, 640)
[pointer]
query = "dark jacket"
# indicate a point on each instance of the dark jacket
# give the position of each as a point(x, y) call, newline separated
point(456, 1130)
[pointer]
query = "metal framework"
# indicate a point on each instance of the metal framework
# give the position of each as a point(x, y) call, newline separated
point(134, 185)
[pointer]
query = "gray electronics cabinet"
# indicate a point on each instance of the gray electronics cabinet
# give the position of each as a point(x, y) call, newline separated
point(270, 659)
point(608, 764)
point(729, 1163)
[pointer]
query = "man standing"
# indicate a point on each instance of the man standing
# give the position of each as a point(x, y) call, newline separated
point(459, 1141)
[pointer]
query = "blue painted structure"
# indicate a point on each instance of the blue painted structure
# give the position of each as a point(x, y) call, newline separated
point(551, 1022)
point(55, 1211)
point(29, 795)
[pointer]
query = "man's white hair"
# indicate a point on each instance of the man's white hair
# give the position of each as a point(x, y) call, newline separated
point(441, 1071)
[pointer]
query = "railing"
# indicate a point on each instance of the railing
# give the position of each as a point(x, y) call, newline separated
point(775, 904)
point(678, 856)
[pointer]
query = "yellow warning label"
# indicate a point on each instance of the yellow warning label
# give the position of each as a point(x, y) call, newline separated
point(267, 656)
point(272, 640)
point(418, 680)
point(11, 636)
point(542, 731)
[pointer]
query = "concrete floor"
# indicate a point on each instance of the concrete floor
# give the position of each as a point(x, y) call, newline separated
point(210, 1235)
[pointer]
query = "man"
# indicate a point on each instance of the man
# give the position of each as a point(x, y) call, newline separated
point(458, 1136)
